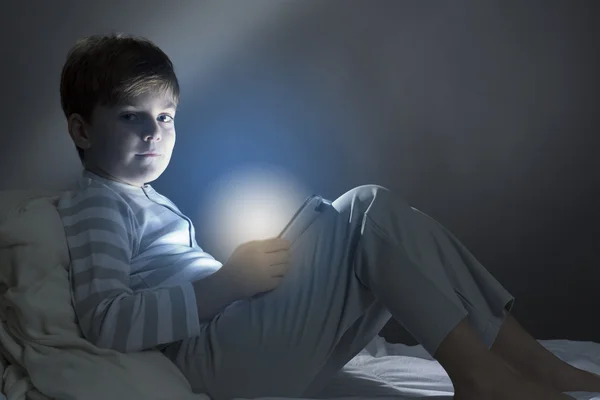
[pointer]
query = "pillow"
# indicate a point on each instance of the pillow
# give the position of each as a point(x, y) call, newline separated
point(38, 329)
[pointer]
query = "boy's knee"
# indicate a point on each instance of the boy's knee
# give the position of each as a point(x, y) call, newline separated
point(372, 198)
point(371, 191)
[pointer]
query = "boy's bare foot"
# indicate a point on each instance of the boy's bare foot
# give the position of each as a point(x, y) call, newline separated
point(572, 379)
point(505, 385)
point(527, 355)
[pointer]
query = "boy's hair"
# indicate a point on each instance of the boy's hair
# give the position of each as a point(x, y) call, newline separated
point(107, 69)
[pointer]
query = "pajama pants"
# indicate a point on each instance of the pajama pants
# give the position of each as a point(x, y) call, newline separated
point(366, 258)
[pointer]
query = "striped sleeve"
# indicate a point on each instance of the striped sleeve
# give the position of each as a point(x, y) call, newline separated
point(100, 228)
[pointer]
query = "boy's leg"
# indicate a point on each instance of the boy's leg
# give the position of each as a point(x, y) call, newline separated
point(287, 342)
point(425, 276)
point(428, 280)
point(435, 265)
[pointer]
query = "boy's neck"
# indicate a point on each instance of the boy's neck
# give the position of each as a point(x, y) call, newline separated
point(106, 175)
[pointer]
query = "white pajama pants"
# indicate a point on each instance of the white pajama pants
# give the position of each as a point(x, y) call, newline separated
point(368, 257)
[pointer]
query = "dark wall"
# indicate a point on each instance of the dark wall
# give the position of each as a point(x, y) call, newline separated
point(482, 114)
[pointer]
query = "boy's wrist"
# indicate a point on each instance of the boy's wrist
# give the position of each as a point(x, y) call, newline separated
point(214, 293)
point(232, 288)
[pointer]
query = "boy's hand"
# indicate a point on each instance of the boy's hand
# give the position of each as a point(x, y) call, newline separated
point(257, 266)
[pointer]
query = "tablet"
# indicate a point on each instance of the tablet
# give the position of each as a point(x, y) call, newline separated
point(312, 207)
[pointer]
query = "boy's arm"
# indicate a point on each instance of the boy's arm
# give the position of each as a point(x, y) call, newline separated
point(100, 230)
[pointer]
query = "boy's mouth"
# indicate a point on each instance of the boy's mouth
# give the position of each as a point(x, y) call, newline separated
point(149, 154)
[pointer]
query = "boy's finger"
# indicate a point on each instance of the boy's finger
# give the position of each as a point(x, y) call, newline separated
point(276, 244)
point(279, 270)
point(278, 257)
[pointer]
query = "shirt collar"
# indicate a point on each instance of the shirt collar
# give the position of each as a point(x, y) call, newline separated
point(87, 176)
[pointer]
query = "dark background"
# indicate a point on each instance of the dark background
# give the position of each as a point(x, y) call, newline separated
point(483, 114)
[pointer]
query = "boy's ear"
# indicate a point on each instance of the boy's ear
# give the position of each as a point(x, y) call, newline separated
point(79, 131)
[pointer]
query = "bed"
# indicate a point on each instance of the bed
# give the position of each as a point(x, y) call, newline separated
point(43, 355)
point(398, 371)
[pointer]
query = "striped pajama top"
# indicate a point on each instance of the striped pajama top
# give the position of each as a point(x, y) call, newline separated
point(133, 258)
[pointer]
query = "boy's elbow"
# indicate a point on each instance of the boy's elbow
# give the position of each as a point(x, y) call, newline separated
point(99, 338)
point(101, 327)
point(106, 337)
point(106, 341)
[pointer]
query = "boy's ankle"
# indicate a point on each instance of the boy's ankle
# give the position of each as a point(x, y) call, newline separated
point(488, 373)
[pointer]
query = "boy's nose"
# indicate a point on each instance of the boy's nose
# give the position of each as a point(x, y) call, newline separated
point(152, 137)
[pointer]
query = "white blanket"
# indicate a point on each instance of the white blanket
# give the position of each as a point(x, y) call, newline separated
point(43, 355)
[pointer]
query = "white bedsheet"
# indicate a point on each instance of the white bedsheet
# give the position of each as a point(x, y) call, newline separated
point(399, 372)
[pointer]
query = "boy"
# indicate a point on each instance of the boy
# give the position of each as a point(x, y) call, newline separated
point(140, 281)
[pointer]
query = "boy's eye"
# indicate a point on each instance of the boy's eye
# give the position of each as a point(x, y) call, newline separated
point(133, 117)
point(129, 117)
point(166, 118)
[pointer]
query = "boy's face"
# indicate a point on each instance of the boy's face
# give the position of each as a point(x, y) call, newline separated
point(131, 143)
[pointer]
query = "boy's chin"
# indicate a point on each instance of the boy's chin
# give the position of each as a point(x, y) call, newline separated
point(147, 176)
